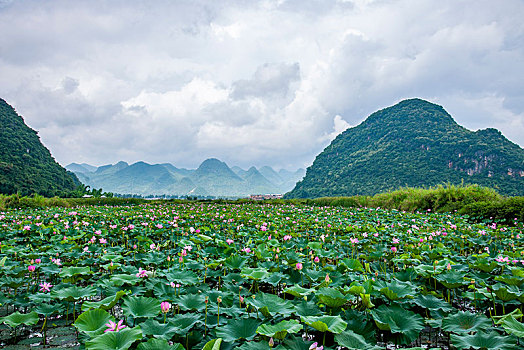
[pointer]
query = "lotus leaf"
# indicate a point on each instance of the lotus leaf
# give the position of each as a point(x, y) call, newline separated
point(333, 324)
point(213, 344)
point(106, 303)
point(512, 326)
point(298, 291)
point(431, 302)
point(120, 340)
point(159, 344)
point(280, 330)
point(353, 341)
point(71, 271)
point(270, 305)
point(190, 302)
point(93, 322)
point(74, 293)
point(398, 320)
point(157, 329)
point(481, 340)
point(16, 319)
point(465, 322)
point(141, 307)
point(331, 297)
point(244, 328)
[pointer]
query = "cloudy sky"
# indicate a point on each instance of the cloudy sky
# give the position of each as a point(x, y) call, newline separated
point(250, 82)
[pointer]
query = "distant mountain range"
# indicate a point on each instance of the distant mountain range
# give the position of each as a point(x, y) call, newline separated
point(26, 165)
point(212, 178)
point(413, 143)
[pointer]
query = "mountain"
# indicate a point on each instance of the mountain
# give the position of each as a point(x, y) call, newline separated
point(26, 165)
point(413, 143)
point(212, 178)
point(80, 168)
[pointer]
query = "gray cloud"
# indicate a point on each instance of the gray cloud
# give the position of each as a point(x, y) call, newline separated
point(252, 83)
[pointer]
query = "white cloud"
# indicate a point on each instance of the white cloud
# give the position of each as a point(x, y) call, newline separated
point(262, 82)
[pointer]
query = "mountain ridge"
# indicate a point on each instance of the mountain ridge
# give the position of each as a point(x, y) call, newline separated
point(414, 143)
point(26, 165)
point(212, 178)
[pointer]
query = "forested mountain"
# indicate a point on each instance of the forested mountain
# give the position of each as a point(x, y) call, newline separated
point(26, 166)
point(413, 143)
point(212, 178)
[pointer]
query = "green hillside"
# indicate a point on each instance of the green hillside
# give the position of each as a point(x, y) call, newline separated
point(414, 143)
point(26, 166)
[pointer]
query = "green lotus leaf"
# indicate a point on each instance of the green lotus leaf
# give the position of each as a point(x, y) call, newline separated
point(93, 322)
point(120, 340)
point(298, 291)
point(74, 293)
point(48, 309)
point(106, 303)
point(213, 344)
point(431, 302)
point(452, 279)
point(465, 322)
point(270, 304)
point(353, 341)
point(484, 341)
point(352, 265)
point(359, 323)
point(158, 330)
point(396, 289)
point(190, 302)
point(500, 319)
point(184, 322)
point(307, 308)
point(273, 278)
point(71, 271)
point(485, 265)
point(512, 326)
point(506, 293)
point(159, 344)
point(428, 270)
point(398, 320)
point(238, 329)
point(253, 345)
point(280, 330)
point(333, 324)
point(254, 273)
point(141, 307)
point(235, 262)
point(331, 297)
point(121, 279)
point(16, 319)
point(183, 277)
point(510, 280)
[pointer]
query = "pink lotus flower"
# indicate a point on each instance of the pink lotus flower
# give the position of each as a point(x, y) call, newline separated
point(102, 241)
point(316, 259)
point(45, 287)
point(141, 273)
point(31, 268)
point(229, 241)
point(247, 250)
point(38, 261)
point(315, 346)
point(114, 327)
point(165, 306)
point(394, 249)
point(299, 266)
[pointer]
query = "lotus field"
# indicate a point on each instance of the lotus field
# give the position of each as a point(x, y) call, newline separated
point(257, 276)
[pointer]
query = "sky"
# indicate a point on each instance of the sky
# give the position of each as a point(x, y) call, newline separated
point(250, 82)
